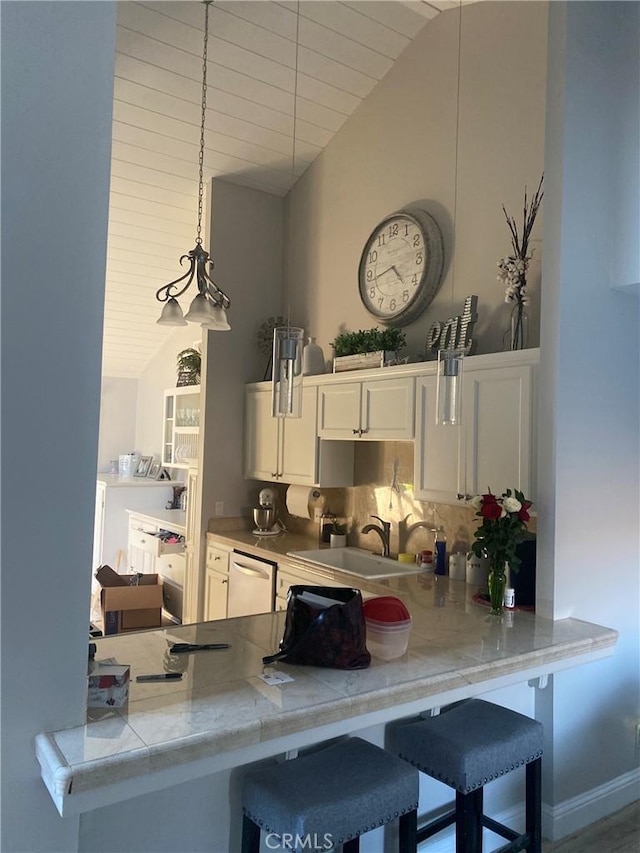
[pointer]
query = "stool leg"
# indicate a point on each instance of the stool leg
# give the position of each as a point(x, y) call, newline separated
point(250, 836)
point(352, 846)
point(408, 832)
point(469, 822)
point(534, 805)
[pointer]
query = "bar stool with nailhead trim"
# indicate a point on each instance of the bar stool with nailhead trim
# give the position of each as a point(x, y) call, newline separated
point(467, 747)
point(335, 794)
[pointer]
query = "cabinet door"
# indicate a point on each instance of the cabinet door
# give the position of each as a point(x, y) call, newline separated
point(300, 444)
point(261, 436)
point(388, 409)
point(497, 416)
point(215, 596)
point(339, 410)
point(438, 454)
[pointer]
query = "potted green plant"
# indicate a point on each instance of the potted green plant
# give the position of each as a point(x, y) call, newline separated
point(189, 362)
point(367, 348)
point(338, 538)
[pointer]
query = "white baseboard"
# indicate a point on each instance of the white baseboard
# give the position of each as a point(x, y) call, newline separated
point(578, 812)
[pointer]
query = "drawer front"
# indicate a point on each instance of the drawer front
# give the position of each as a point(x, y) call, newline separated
point(217, 559)
point(172, 566)
point(151, 544)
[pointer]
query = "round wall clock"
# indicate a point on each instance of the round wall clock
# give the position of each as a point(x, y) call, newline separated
point(401, 266)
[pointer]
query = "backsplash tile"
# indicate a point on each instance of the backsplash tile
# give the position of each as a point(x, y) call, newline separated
point(384, 487)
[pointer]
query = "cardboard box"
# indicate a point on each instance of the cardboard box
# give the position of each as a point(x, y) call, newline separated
point(108, 685)
point(130, 608)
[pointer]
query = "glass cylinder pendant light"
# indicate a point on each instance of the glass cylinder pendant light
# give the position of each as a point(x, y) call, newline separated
point(209, 307)
point(286, 392)
point(449, 387)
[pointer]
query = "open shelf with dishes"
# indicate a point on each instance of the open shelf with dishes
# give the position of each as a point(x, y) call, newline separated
point(181, 427)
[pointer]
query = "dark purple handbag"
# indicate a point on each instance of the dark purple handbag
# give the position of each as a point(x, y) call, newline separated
point(333, 636)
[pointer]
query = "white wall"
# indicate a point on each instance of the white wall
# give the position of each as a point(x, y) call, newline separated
point(589, 517)
point(246, 243)
point(399, 148)
point(117, 419)
point(160, 374)
point(57, 82)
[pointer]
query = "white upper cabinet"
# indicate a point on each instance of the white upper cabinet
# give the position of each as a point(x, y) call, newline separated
point(494, 447)
point(381, 409)
point(287, 450)
point(498, 418)
point(262, 436)
point(439, 450)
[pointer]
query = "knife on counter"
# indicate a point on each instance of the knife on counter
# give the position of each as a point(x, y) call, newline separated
point(182, 648)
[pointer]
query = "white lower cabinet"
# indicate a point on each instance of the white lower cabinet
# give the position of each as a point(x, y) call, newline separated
point(287, 450)
point(141, 556)
point(215, 596)
point(494, 448)
point(216, 582)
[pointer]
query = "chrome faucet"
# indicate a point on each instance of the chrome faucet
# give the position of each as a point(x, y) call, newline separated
point(384, 532)
point(428, 525)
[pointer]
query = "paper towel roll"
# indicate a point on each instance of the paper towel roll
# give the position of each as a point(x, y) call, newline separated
point(300, 501)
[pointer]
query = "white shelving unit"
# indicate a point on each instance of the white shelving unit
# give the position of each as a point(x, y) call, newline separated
point(181, 427)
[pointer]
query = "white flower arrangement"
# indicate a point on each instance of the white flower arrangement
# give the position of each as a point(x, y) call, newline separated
point(513, 268)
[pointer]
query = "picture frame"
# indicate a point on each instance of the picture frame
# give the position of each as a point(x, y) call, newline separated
point(142, 467)
point(155, 469)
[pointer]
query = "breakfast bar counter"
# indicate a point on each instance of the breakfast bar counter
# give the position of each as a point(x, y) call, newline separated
point(222, 714)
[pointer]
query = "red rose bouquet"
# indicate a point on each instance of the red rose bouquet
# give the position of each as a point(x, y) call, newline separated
point(503, 527)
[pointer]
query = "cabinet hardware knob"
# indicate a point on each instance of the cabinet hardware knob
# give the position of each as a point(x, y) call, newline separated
point(274, 474)
point(460, 497)
point(356, 432)
point(363, 431)
point(225, 580)
point(216, 558)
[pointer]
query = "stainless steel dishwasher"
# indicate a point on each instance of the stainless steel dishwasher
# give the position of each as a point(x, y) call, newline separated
point(252, 585)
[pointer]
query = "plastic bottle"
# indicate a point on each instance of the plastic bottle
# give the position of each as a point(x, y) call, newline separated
point(425, 560)
point(440, 548)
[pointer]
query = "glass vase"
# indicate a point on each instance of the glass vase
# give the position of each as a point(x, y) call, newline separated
point(519, 331)
point(497, 586)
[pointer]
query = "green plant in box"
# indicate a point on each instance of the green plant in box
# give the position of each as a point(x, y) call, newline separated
point(368, 340)
point(189, 362)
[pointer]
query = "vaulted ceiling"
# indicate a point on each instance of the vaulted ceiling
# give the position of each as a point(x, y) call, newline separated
point(343, 50)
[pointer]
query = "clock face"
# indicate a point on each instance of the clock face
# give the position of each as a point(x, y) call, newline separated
point(401, 267)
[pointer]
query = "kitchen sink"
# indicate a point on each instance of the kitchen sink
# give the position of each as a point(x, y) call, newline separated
point(355, 561)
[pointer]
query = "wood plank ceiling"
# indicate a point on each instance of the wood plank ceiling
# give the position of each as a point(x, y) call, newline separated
point(344, 49)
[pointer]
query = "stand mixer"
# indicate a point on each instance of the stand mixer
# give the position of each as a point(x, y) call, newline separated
point(265, 515)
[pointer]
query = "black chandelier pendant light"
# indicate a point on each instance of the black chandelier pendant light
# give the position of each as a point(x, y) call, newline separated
point(209, 307)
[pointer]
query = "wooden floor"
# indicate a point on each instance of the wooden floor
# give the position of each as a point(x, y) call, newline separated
point(618, 833)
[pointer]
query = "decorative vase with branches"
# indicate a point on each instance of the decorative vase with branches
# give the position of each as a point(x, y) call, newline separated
point(513, 268)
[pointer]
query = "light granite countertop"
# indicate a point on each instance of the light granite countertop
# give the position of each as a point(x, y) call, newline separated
point(222, 714)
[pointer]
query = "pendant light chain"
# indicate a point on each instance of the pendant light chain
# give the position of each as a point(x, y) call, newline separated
point(209, 307)
point(207, 3)
point(295, 98)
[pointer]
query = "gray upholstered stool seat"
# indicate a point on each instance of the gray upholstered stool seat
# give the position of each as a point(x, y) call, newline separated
point(342, 791)
point(467, 747)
